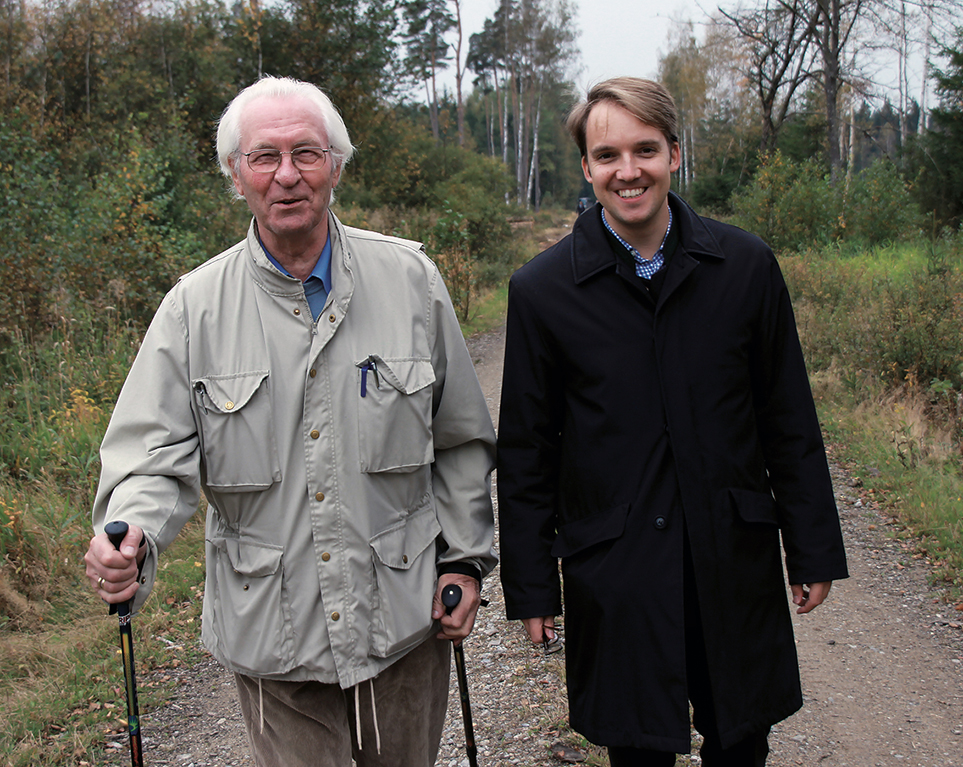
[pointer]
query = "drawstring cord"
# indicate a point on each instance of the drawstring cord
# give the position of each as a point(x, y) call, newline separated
point(374, 715)
point(260, 702)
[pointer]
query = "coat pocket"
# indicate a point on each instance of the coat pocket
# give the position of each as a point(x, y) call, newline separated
point(580, 534)
point(394, 414)
point(754, 507)
point(237, 432)
point(405, 578)
point(251, 613)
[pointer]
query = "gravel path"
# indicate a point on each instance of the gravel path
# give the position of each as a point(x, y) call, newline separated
point(881, 661)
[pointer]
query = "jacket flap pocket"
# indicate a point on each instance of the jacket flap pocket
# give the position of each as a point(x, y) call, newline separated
point(230, 393)
point(248, 558)
point(580, 534)
point(753, 506)
point(406, 375)
point(399, 546)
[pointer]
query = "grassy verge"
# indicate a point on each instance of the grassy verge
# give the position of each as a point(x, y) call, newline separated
point(910, 467)
point(62, 678)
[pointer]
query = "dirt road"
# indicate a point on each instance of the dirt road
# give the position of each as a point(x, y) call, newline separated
point(881, 663)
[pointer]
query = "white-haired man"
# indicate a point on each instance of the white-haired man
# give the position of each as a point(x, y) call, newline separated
point(313, 381)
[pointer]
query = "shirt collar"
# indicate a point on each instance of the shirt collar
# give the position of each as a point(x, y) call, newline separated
point(644, 267)
point(322, 269)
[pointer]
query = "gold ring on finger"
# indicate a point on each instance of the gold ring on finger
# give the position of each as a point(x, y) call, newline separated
point(100, 582)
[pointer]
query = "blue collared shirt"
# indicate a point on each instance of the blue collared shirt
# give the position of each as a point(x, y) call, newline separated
point(318, 283)
point(644, 267)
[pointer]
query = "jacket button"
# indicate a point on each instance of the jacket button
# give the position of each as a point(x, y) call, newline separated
point(335, 616)
point(326, 557)
point(660, 523)
point(315, 434)
point(313, 373)
point(331, 318)
point(404, 558)
point(297, 312)
point(319, 497)
point(228, 405)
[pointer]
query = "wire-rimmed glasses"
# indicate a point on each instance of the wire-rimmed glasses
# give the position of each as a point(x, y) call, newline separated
point(269, 160)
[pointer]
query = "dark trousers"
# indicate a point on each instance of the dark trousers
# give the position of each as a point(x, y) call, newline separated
point(749, 752)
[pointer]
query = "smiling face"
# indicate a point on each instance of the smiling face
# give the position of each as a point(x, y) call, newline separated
point(290, 205)
point(630, 166)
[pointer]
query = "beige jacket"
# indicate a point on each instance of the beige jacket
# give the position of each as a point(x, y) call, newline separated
point(336, 487)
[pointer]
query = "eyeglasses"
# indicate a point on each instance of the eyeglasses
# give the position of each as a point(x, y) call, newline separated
point(269, 160)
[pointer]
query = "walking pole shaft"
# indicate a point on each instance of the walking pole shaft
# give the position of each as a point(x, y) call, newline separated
point(116, 532)
point(450, 597)
point(470, 747)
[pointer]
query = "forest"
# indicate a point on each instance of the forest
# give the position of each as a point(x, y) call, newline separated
point(109, 190)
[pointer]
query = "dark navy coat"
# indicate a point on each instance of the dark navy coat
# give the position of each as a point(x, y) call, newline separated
point(627, 423)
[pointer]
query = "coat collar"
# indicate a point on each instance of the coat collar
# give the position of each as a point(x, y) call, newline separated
point(592, 254)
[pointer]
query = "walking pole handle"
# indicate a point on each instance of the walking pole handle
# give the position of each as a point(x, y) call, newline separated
point(116, 532)
point(450, 597)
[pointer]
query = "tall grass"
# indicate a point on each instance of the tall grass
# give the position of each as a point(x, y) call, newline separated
point(882, 331)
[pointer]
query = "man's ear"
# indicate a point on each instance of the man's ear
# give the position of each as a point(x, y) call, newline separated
point(585, 169)
point(235, 177)
point(675, 157)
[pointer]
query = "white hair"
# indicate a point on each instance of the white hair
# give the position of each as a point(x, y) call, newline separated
point(229, 126)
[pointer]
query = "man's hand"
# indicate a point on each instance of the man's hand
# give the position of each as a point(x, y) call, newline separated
point(113, 572)
point(541, 629)
point(459, 624)
point(809, 596)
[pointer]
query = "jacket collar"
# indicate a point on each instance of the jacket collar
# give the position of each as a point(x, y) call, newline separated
point(278, 283)
point(591, 252)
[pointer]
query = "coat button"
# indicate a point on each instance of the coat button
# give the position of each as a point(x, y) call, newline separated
point(313, 373)
point(404, 558)
point(660, 523)
point(315, 434)
point(228, 405)
point(331, 318)
point(319, 497)
point(335, 616)
point(326, 557)
point(297, 312)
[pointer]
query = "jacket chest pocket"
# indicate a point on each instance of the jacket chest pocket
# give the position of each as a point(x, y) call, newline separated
point(394, 414)
point(237, 431)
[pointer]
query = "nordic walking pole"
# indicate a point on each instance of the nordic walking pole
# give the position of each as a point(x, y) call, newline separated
point(116, 532)
point(451, 596)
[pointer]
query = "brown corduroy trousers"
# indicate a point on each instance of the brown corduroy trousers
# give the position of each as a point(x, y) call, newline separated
point(310, 724)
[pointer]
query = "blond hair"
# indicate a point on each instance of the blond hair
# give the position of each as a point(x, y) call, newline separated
point(647, 100)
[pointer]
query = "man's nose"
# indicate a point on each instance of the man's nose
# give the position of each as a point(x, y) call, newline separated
point(287, 172)
point(628, 168)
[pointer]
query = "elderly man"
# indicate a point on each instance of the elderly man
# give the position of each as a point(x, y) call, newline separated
point(313, 381)
point(657, 434)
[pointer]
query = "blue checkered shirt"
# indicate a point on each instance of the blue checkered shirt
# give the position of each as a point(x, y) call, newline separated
point(644, 267)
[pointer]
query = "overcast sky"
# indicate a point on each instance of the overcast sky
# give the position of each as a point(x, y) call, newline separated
point(618, 37)
point(627, 37)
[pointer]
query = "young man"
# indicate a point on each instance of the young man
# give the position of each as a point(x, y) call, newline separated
point(313, 381)
point(657, 434)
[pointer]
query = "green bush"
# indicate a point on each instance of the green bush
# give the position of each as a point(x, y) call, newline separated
point(794, 206)
point(789, 204)
point(881, 207)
